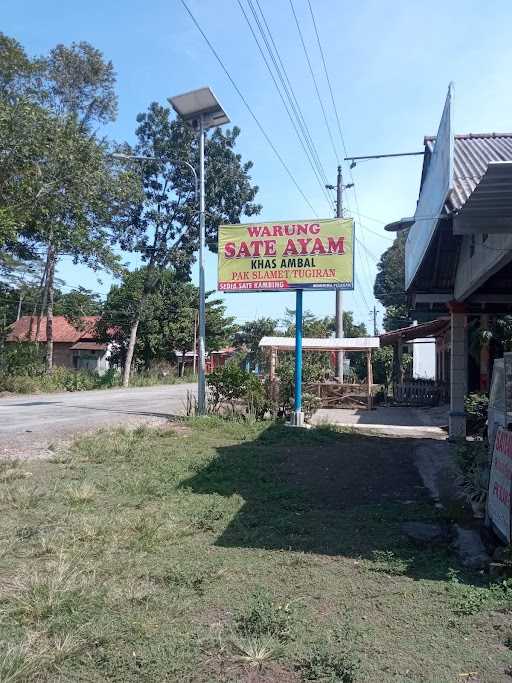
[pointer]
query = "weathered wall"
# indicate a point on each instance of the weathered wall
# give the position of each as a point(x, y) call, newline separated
point(62, 354)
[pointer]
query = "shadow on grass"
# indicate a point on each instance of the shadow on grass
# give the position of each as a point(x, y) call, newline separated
point(326, 492)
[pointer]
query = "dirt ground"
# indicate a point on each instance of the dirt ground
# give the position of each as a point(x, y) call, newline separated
point(328, 476)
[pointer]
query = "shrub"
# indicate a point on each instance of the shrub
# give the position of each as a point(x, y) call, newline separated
point(265, 617)
point(473, 460)
point(23, 359)
point(476, 407)
point(331, 659)
point(231, 384)
point(312, 371)
point(60, 379)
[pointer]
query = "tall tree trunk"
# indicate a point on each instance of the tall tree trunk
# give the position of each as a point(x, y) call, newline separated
point(129, 353)
point(49, 311)
point(43, 289)
point(18, 312)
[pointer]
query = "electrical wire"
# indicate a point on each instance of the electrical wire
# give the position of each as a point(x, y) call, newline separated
point(338, 121)
point(292, 92)
point(298, 128)
point(326, 120)
point(248, 107)
point(327, 78)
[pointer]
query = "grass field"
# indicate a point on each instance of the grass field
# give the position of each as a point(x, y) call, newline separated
point(217, 551)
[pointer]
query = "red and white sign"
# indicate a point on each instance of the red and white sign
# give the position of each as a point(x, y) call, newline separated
point(500, 483)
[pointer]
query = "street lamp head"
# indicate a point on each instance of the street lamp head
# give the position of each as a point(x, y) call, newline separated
point(198, 105)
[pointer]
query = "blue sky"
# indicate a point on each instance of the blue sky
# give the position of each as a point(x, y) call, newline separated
point(389, 65)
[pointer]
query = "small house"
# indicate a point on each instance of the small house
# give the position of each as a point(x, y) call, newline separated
point(75, 346)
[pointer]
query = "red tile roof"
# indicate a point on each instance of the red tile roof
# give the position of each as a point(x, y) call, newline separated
point(63, 331)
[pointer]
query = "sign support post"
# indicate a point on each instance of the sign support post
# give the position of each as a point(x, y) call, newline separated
point(298, 417)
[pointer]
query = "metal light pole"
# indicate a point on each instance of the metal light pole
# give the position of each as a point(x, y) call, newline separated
point(201, 109)
point(201, 379)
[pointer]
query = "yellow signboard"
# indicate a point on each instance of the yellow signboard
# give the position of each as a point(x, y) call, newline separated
point(276, 256)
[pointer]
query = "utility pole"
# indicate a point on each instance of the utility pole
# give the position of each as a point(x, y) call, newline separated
point(375, 331)
point(339, 294)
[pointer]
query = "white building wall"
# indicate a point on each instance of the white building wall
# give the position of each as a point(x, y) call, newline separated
point(423, 358)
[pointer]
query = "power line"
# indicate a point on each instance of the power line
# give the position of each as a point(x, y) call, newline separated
point(338, 120)
point(315, 83)
point(327, 78)
point(292, 91)
point(248, 107)
point(361, 244)
point(298, 129)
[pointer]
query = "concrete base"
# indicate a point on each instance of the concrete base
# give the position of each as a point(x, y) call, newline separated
point(297, 419)
point(457, 425)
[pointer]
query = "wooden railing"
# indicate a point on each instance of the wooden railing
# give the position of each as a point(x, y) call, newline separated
point(420, 393)
point(337, 395)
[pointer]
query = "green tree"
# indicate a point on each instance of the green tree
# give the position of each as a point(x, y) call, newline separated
point(78, 303)
point(250, 334)
point(319, 364)
point(167, 318)
point(165, 228)
point(19, 285)
point(389, 286)
point(59, 188)
point(382, 363)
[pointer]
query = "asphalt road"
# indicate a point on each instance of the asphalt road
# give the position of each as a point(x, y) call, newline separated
point(29, 424)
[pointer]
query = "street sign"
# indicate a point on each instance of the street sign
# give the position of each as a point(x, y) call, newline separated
point(287, 255)
point(500, 484)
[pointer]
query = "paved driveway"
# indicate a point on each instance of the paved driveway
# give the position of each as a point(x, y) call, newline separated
point(30, 423)
point(395, 421)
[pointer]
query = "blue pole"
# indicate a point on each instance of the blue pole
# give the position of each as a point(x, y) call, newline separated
point(298, 352)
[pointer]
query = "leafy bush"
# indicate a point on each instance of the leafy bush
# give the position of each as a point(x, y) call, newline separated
point(311, 372)
point(331, 659)
point(61, 379)
point(32, 378)
point(24, 359)
point(265, 617)
point(111, 378)
point(473, 461)
point(476, 407)
point(231, 384)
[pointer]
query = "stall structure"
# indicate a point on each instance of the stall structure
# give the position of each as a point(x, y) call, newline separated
point(335, 392)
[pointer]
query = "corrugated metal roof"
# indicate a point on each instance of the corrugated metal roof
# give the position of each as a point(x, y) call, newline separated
point(322, 343)
point(492, 197)
point(472, 154)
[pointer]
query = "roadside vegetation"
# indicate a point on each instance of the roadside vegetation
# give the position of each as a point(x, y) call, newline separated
point(217, 550)
point(22, 371)
point(65, 379)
